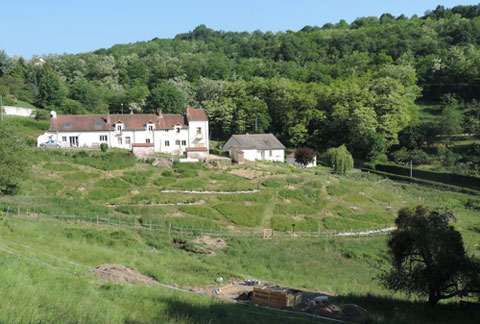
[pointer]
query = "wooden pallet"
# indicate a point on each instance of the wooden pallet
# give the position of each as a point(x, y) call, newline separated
point(276, 298)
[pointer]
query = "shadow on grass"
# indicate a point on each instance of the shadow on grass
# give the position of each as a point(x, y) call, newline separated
point(396, 311)
point(218, 312)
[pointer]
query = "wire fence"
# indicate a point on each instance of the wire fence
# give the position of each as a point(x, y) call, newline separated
point(170, 228)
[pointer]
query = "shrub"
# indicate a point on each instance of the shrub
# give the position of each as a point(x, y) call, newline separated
point(471, 182)
point(416, 156)
point(104, 147)
point(304, 155)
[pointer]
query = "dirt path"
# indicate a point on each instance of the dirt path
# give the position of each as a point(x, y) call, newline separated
point(268, 213)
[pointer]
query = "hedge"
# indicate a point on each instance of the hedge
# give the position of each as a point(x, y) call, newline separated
point(471, 182)
point(433, 184)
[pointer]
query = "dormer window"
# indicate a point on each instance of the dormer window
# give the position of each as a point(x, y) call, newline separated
point(119, 125)
point(98, 124)
point(149, 126)
point(177, 129)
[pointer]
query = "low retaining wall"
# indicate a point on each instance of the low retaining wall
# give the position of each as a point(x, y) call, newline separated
point(17, 111)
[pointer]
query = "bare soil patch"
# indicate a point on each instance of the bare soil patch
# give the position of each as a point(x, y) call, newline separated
point(214, 243)
point(122, 275)
point(246, 173)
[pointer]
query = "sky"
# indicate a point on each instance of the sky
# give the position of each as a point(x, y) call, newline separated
point(75, 26)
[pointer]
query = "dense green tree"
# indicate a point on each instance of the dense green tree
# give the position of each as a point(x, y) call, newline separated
point(51, 91)
point(428, 257)
point(166, 97)
point(340, 159)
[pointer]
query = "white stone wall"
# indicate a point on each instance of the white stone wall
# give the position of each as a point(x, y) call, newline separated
point(274, 155)
point(312, 164)
point(17, 111)
point(250, 155)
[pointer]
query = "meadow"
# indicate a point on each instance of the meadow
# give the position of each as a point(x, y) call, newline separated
point(38, 286)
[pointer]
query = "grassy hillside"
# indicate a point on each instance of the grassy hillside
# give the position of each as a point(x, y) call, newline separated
point(40, 287)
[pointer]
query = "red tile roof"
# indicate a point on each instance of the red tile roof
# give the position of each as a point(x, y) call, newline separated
point(196, 114)
point(197, 149)
point(142, 145)
point(105, 122)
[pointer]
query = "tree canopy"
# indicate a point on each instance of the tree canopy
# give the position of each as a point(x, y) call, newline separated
point(355, 84)
point(429, 258)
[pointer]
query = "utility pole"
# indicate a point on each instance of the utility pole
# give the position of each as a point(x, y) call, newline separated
point(122, 108)
point(255, 124)
point(411, 168)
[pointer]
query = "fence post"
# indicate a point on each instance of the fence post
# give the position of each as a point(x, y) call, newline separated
point(97, 219)
point(169, 227)
point(108, 220)
point(181, 229)
point(150, 224)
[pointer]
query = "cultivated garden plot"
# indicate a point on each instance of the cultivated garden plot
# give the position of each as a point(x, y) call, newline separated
point(211, 197)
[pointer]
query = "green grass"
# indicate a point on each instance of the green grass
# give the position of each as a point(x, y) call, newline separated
point(138, 178)
point(35, 291)
point(240, 214)
point(59, 167)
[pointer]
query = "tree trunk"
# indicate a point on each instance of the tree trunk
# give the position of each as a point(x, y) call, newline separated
point(433, 298)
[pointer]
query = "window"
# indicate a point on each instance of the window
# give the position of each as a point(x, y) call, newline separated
point(270, 153)
point(167, 143)
point(103, 138)
point(150, 128)
point(199, 130)
point(64, 138)
point(119, 128)
point(177, 129)
point(184, 143)
point(127, 140)
point(147, 140)
point(120, 141)
point(177, 142)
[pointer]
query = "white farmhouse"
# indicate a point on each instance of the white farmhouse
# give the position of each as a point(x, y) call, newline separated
point(168, 133)
point(256, 147)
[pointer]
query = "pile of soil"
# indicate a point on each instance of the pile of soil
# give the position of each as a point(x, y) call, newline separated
point(345, 312)
point(213, 243)
point(191, 247)
point(120, 274)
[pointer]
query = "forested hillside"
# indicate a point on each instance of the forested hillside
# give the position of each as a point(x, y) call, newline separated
point(357, 83)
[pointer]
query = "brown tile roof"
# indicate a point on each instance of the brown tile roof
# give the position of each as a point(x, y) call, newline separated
point(106, 122)
point(196, 114)
point(142, 145)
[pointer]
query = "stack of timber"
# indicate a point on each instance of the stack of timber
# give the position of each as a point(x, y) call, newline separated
point(275, 296)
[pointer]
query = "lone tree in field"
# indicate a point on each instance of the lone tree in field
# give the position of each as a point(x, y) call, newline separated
point(340, 159)
point(428, 257)
point(304, 155)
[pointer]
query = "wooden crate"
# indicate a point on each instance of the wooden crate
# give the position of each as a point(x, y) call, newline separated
point(276, 297)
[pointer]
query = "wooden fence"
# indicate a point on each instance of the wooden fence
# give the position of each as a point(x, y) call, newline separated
point(190, 230)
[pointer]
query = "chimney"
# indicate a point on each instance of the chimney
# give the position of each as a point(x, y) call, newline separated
point(53, 114)
point(159, 112)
